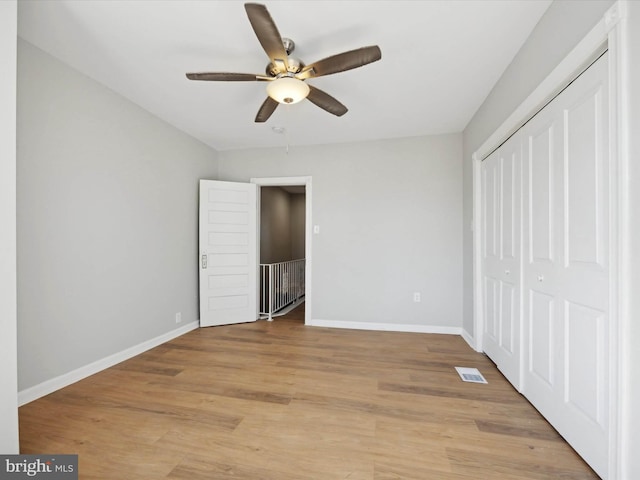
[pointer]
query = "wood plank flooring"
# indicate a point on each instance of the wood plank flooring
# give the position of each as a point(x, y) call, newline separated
point(281, 401)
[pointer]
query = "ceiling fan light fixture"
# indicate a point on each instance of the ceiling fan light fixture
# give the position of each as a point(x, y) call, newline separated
point(285, 74)
point(287, 90)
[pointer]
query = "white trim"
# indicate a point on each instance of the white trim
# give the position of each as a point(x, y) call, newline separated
point(468, 338)
point(619, 230)
point(385, 327)
point(478, 307)
point(308, 227)
point(9, 441)
point(53, 384)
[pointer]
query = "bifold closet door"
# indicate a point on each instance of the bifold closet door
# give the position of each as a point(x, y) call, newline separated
point(501, 201)
point(566, 268)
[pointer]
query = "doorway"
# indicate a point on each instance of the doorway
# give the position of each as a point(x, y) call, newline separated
point(281, 255)
point(292, 186)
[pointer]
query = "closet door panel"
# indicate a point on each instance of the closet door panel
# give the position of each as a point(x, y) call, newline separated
point(490, 208)
point(491, 307)
point(586, 278)
point(543, 138)
point(501, 183)
point(566, 278)
point(490, 236)
point(508, 315)
point(542, 338)
point(584, 189)
point(508, 215)
point(586, 344)
point(540, 190)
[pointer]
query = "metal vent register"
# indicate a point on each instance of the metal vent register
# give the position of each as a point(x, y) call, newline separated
point(472, 375)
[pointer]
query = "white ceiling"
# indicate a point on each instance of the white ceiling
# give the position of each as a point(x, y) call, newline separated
point(440, 60)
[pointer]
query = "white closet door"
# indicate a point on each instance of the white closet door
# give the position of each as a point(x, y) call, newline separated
point(501, 187)
point(566, 271)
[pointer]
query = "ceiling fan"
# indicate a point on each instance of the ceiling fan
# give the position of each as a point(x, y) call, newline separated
point(286, 74)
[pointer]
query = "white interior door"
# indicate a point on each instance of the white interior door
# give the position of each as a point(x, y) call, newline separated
point(501, 200)
point(566, 271)
point(228, 253)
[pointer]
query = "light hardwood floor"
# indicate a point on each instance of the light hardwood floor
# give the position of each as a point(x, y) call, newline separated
point(282, 401)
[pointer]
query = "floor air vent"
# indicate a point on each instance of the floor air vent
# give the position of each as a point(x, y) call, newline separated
point(472, 375)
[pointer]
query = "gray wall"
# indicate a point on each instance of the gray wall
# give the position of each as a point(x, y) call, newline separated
point(275, 225)
point(298, 204)
point(107, 220)
point(281, 225)
point(560, 29)
point(8, 316)
point(389, 214)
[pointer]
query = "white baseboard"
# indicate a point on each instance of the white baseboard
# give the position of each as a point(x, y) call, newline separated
point(469, 339)
point(51, 385)
point(386, 327)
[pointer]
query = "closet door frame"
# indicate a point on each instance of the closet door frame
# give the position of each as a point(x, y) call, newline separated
point(608, 34)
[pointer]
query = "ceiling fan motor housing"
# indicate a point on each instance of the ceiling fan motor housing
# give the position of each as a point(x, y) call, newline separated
point(294, 63)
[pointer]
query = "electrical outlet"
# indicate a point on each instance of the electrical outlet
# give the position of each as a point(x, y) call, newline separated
point(416, 297)
point(178, 317)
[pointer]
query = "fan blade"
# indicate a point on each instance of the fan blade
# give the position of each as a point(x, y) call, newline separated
point(268, 35)
point(341, 62)
point(326, 101)
point(266, 109)
point(227, 77)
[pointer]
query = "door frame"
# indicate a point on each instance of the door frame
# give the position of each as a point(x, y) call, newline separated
point(609, 33)
point(305, 181)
